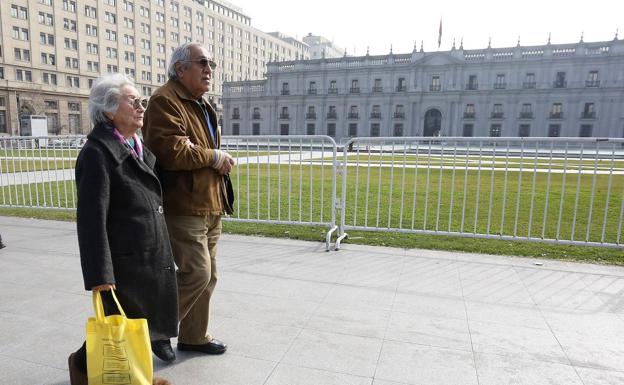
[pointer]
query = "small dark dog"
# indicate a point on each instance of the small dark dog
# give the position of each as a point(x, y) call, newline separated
point(2, 245)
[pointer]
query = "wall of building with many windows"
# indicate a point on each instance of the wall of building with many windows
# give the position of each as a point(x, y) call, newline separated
point(549, 90)
point(52, 50)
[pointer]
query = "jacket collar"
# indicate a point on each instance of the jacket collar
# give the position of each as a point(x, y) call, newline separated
point(184, 93)
point(102, 134)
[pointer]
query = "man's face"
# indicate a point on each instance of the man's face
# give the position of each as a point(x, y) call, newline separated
point(196, 78)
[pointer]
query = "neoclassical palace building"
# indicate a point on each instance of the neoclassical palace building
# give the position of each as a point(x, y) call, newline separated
point(548, 90)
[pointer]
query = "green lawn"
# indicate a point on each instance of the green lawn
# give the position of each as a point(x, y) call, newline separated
point(410, 199)
point(391, 239)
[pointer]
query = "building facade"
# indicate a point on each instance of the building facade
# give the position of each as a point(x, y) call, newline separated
point(550, 90)
point(321, 47)
point(52, 50)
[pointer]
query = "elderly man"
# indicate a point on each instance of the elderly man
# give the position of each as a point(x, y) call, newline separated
point(181, 130)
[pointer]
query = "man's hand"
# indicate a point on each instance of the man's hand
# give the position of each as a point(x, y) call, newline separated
point(227, 164)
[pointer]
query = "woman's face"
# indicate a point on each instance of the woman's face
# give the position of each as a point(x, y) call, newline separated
point(128, 119)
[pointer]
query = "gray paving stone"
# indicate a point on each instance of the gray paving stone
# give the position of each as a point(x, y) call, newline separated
point(431, 305)
point(506, 314)
point(297, 289)
point(358, 321)
point(502, 370)
point(600, 377)
point(260, 340)
point(294, 375)
point(335, 352)
point(517, 341)
point(22, 372)
point(279, 311)
point(418, 364)
point(293, 314)
point(426, 330)
point(228, 369)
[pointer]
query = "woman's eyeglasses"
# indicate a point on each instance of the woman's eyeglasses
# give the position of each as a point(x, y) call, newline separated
point(204, 62)
point(138, 102)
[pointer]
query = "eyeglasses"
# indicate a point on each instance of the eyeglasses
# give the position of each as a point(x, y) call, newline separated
point(203, 62)
point(138, 102)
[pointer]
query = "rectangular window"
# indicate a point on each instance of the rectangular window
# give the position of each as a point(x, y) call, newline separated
point(398, 129)
point(401, 86)
point(310, 129)
point(500, 83)
point(588, 111)
point(472, 83)
point(495, 130)
point(529, 80)
point(435, 83)
point(524, 131)
point(560, 80)
point(469, 112)
point(331, 130)
point(468, 130)
point(236, 129)
point(355, 86)
point(586, 130)
point(3, 122)
point(554, 130)
point(592, 79)
point(556, 111)
point(377, 87)
point(255, 129)
point(284, 129)
point(526, 111)
point(497, 111)
point(352, 130)
point(285, 89)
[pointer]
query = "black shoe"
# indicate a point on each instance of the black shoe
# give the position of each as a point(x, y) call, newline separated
point(213, 347)
point(163, 350)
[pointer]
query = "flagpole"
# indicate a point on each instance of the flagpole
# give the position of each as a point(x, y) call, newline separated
point(440, 34)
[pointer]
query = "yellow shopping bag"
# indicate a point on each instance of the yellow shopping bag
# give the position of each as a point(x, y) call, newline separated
point(118, 348)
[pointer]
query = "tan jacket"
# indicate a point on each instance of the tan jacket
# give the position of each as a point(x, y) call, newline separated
point(175, 130)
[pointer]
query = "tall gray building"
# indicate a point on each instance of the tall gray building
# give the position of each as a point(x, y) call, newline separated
point(321, 47)
point(548, 90)
point(52, 50)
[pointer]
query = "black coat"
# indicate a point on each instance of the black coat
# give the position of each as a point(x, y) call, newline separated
point(122, 233)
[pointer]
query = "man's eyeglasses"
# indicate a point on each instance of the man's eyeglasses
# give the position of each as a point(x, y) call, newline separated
point(204, 62)
point(138, 102)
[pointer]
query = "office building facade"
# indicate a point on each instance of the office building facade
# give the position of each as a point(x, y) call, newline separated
point(549, 90)
point(52, 50)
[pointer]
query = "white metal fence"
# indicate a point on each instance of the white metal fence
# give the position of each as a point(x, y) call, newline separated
point(558, 190)
point(284, 180)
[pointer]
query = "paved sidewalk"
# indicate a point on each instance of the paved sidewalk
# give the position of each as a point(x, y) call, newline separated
point(294, 314)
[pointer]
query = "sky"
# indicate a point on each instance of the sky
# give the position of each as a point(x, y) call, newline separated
point(378, 25)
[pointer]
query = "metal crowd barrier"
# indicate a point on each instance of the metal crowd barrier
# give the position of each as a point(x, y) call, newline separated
point(278, 179)
point(557, 190)
point(284, 180)
point(38, 172)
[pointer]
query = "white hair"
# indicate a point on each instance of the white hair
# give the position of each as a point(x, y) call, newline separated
point(105, 94)
point(182, 54)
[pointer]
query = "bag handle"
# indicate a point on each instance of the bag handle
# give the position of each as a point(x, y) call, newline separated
point(98, 306)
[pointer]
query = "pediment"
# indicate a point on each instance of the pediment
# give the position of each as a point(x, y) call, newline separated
point(438, 59)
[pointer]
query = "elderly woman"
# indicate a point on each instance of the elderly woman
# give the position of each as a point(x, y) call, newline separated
point(122, 233)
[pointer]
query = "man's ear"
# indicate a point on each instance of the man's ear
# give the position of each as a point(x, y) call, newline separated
point(179, 69)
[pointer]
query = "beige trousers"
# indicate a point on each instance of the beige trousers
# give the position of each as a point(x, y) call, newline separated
point(194, 243)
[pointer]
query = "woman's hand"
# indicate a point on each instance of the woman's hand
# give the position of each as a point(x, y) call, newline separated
point(104, 287)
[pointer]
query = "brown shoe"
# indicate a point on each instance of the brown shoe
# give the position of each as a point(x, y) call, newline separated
point(160, 381)
point(76, 377)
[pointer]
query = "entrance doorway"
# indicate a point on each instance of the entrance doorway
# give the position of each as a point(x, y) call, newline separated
point(433, 123)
